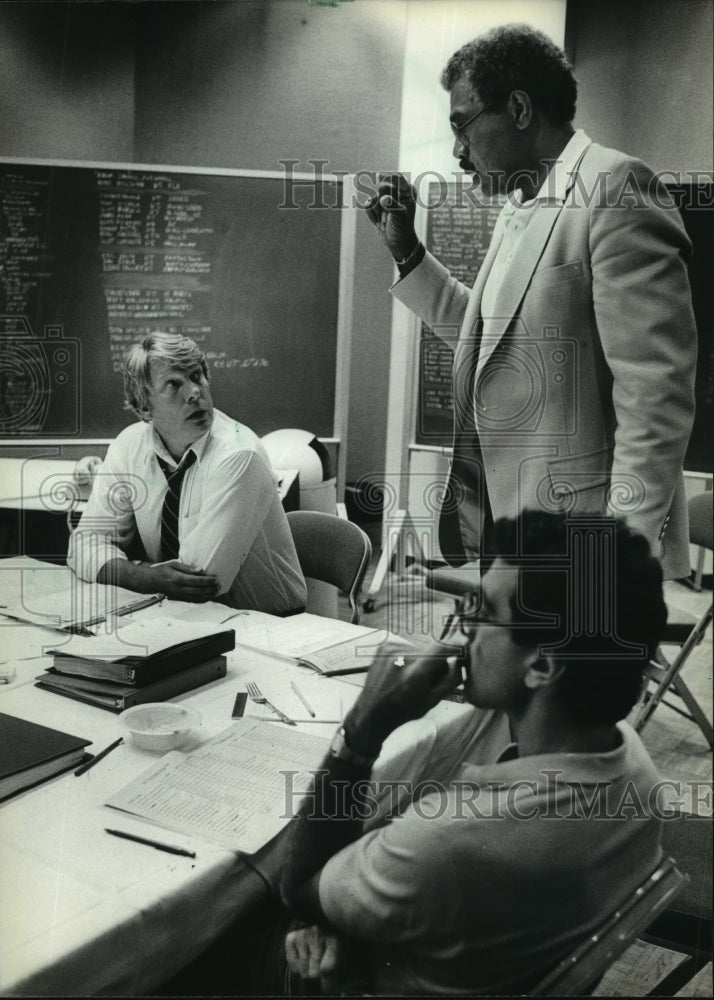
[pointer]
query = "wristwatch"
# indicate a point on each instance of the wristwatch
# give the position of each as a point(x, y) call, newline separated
point(410, 255)
point(340, 750)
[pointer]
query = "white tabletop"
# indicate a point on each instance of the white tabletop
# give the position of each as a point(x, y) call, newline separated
point(84, 913)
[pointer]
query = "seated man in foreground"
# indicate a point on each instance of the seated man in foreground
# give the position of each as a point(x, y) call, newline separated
point(190, 492)
point(481, 885)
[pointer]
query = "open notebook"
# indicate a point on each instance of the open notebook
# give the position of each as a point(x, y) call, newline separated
point(323, 644)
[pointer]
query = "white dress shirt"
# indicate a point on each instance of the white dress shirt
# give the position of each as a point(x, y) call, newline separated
point(515, 215)
point(231, 521)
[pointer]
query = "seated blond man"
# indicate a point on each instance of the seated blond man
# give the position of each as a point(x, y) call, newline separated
point(186, 503)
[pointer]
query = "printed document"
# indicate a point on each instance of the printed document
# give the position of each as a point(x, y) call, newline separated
point(238, 789)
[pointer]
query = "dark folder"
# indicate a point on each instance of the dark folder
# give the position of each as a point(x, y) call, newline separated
point(142, 670)
point(116, 697)
point(30, 753)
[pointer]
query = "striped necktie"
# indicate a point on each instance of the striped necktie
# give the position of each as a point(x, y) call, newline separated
point(170, 512)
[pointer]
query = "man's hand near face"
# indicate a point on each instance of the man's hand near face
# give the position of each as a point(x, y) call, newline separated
point(398, 689)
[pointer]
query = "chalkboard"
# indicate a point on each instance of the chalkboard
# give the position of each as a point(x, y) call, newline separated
point(94, 256)
point(458, 233)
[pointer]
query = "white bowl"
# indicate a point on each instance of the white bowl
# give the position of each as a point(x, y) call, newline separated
point(160, 726)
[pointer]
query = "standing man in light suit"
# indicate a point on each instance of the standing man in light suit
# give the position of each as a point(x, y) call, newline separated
point(576, 353)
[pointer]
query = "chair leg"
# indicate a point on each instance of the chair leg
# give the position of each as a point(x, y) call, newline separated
point(695, 710)
point(669, 677)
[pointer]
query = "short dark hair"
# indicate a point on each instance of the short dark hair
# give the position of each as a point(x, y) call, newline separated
point(516, 57)
point(599, 580)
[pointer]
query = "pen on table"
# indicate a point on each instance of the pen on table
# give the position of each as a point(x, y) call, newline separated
point(169, 848)
point(235, 614)
point(344, 671)
point(302, 697)
point(317, 722)
point(125, 609)
point(99, 756)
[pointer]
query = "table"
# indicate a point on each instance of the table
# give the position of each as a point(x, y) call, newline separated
point(87, 914)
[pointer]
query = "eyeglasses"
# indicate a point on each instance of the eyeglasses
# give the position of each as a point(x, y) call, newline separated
point(466, 615)
point(458, 130)
point(465, 619)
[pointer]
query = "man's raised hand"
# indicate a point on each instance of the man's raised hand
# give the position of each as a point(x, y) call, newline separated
point(392, 211)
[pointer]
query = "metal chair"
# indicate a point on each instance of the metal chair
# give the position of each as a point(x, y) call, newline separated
point(686, 632)
point(332, 550)
point(580, 971)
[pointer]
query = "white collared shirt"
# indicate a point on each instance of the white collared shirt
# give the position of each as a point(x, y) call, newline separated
point(516, 214)
point(231, 522)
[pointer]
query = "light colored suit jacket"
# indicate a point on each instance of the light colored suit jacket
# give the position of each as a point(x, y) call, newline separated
point(578, 394)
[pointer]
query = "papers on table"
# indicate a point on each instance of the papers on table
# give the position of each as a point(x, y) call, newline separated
point(320, 643)
point(296, 635)
point(39, 593)
point(136, 637)
point(237, 790)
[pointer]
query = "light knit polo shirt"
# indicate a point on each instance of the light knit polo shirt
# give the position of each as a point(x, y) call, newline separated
point(482, 887)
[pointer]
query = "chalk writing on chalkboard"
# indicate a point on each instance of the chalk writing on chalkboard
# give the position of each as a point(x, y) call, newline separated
point(92, 258)
point(458, 234)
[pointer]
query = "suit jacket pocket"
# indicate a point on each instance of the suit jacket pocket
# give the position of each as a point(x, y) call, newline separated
point(561, 272)
point(577, 473)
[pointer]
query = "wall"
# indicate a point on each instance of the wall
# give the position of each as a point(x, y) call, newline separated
point(239, 84)
point(246, 83)
point(644, 70)
point(67, 81)
point(252, 83)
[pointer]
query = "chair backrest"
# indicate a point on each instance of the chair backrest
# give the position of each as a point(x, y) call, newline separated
point(333, 550)
point(701, 522)
point(577, 973)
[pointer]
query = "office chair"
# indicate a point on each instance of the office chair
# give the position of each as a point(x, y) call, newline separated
point(686, 632)
point(332, 550)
